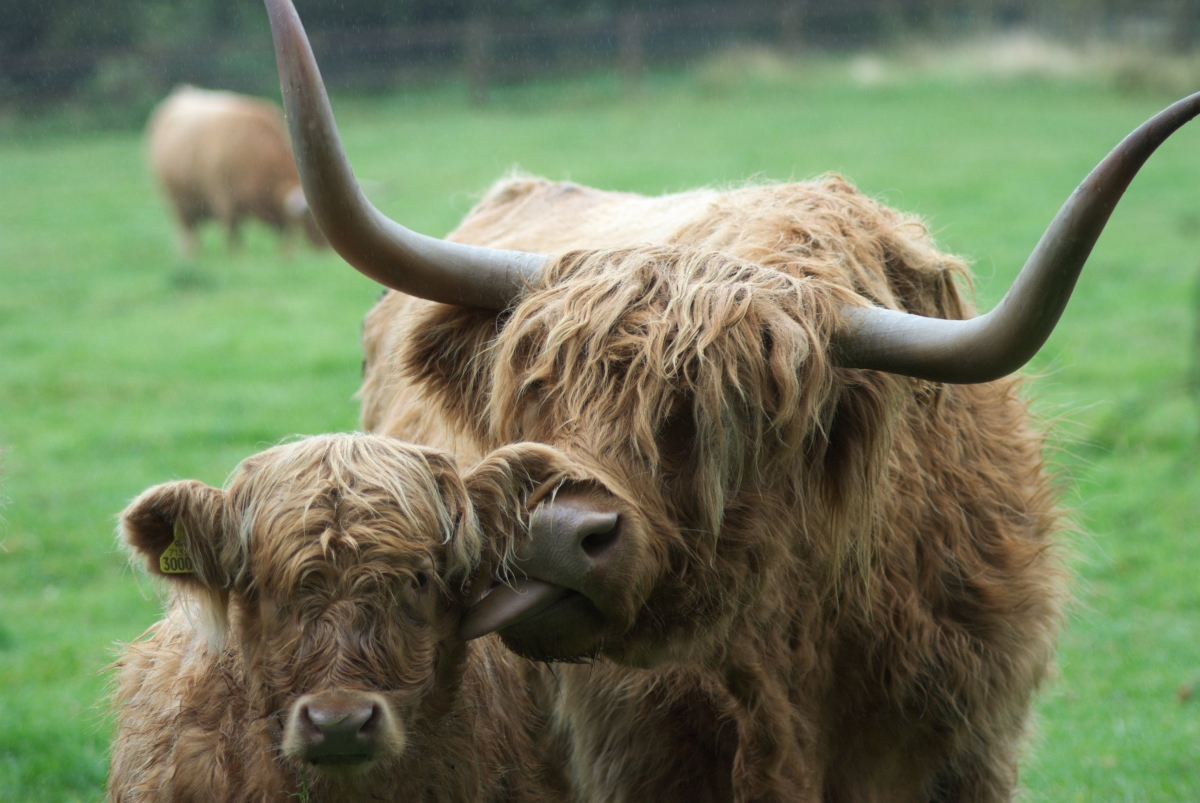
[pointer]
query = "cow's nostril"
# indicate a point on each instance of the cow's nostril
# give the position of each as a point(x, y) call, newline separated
point(367, 731)
point(572, 543)
point(308, 726)
point(345, 726)
point(340, 728)
point(594, 544)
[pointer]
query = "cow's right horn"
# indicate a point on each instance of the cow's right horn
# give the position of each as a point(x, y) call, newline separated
point(382, 249)
point(998, 343)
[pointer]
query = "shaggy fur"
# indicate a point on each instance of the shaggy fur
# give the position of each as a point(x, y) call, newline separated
point(333, 563)
point(226, 156)
point(847, 588)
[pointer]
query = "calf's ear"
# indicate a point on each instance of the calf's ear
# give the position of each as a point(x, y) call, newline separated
point(503, 487)
point(460, 529)
point(179, 528)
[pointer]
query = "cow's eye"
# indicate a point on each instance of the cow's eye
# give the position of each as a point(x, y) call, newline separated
point(422, 579)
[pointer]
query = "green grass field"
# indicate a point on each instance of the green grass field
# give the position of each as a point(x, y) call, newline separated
point(123, 365)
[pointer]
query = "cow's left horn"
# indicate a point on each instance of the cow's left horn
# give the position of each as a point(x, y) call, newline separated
point(998, 343)
point(382, 249)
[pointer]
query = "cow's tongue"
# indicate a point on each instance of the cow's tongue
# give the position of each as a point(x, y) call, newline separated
point(508, 604)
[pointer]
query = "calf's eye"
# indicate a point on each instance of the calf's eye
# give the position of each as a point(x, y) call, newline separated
point(422, 579)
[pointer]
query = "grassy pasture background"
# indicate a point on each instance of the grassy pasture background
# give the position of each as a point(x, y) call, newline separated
point(123, 365)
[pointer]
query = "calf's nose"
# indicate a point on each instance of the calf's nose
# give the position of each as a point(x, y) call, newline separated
point(336, 727)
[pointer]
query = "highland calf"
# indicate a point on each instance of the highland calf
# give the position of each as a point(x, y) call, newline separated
point(226, 156)
point(763, 467)
point(310, 648)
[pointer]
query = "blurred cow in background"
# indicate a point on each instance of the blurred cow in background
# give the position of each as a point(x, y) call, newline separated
point(310, 650)
point(226, 156)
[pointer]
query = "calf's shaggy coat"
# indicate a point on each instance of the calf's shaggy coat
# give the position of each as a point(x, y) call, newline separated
point(326, 584)
point(226, 156)
point(831, 584)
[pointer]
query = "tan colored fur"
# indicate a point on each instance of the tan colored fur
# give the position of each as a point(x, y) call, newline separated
point(850, 590)
point(332, 563)
point(225, 156)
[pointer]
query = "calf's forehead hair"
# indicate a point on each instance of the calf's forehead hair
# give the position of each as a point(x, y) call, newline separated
point(365, 476)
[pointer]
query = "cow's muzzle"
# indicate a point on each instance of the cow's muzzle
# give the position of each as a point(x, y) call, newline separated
point(575, 551)
point(339, 729)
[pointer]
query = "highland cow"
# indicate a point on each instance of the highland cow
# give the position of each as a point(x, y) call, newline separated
point(226, 156)
point(310, 647)
point(763, 467)
point(800, 581)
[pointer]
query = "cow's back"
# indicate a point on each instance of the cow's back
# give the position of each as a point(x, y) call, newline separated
point(525, 213)
point(823, 228)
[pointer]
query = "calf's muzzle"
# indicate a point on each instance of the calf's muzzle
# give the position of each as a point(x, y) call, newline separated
point(337, 728)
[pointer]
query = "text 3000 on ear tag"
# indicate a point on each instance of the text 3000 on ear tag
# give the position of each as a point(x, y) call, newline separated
point(175, 559)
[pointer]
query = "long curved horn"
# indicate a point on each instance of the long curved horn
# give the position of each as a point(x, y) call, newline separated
point(998, 343)
point(392, 255)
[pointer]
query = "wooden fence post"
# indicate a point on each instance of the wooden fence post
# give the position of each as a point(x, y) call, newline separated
point(791, 26)
point(891, 19)
point(630, 46)
point(1182, 22)
point(477, 47)
point(983, 16)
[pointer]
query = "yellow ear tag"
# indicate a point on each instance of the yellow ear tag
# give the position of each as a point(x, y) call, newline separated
point(175, 559)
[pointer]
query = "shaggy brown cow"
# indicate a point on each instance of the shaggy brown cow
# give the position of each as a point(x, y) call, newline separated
point(773, 477)
point(226, 156)
point(310, 648)
point(843, 581)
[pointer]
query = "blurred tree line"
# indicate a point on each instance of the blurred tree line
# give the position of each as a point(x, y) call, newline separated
point(124, 52)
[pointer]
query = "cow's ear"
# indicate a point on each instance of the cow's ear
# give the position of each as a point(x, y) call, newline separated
point(447, 354)
point(180, 528)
